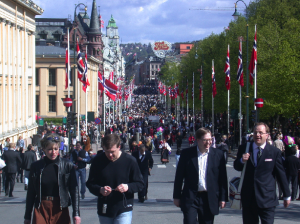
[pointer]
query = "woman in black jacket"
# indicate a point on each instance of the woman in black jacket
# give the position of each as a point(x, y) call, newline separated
point(51, 181)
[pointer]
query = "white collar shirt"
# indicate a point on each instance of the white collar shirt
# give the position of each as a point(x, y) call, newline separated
point(202, 163)
point(255, 151)
point(140, 155)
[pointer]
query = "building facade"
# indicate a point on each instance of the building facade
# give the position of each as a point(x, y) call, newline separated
point(50, 83)
point(51, 43)
point(17, 68)
point(183, 48)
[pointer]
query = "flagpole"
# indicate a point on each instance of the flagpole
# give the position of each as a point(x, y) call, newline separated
point(255, 75)
point(240, 96)
point(86, 95)
point(212, 101)
point(103, 109)
point(78, 109)
point(228, 104)
point(187, 105)
point(68, 69)
point(202, 117)
point(193, 104)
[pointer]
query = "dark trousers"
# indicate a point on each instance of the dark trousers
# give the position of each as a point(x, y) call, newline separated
point(200, 209)
point(294, 181)
point(252, 213)
point(3, 180)
point(143, 192)
point(10, 183)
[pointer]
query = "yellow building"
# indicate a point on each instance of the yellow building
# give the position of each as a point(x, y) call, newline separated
point(50, 82)
point(17, 68)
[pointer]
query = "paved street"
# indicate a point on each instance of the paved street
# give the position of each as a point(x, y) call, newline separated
point(158, 208)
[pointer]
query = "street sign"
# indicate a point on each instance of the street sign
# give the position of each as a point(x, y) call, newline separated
point(259, 102)
point(97, 120)
point(68, 102)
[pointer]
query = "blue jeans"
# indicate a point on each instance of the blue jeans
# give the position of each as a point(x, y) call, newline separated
point(82, 174)
point(123, 218)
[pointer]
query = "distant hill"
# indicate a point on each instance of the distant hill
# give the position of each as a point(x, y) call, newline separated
point(142, 51)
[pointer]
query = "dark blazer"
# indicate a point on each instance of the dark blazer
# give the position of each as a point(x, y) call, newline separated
point(292, 165)
point(146, 163)
point(259, 181)
point(188, 172)
point(12, 160)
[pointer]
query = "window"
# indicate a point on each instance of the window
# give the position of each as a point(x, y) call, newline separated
point(152, 66)
point(188, 47)
point(94, 51)
point(56, 37)
point(37, 76)
point(155, 66)
point(52, 103)
point(43, 36)
point(52, 81)
point(37, 103)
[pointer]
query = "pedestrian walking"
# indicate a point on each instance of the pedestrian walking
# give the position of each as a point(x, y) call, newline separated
point(28, 158)
point(52, 186)
point(12, 160)
point(114, 178)
point(80, 158)
point(145, 163)
point(200, 185)
point(264, 164)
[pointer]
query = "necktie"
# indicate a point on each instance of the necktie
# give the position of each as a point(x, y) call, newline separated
point(259, 153)
point(142, 157)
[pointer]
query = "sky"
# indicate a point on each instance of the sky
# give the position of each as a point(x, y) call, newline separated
point(153, 20)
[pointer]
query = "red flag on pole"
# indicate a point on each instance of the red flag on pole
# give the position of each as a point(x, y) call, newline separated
point(85, 80)
point(214, 86)
point(240, 72)
point(68, 78)
point(253, 61)
point(227, 70)
point(80, 64)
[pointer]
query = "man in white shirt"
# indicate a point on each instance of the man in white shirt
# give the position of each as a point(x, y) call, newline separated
point(202, 169)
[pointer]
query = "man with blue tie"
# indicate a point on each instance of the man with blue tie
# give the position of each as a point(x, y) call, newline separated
point(264, 165)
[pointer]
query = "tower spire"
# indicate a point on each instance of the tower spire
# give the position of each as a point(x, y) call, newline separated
point(94, 25)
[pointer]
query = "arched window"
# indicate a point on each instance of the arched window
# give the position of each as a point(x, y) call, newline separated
point(94, 51)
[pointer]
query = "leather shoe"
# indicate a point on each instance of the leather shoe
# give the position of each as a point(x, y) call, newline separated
point(11, 196)
point(141, 200)
point(82, 196)
point(26, 187)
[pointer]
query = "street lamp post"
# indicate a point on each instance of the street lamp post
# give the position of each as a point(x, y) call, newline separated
point(236, 15)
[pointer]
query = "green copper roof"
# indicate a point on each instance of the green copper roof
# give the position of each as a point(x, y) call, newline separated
point(112, 22)
point(86, 16)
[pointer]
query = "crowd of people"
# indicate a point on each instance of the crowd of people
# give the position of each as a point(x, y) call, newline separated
point(55, 173)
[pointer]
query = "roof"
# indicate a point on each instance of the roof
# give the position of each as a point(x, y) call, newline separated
point(51, 51)
point(112, 23)
point(94, 24)
point(30, 5)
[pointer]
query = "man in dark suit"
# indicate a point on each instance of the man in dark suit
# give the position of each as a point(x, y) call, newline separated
point(202, 169)
point(12, 160)
point(259, 189)
point(145, 162)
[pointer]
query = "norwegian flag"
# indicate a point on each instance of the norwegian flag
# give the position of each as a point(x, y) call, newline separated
point(253, 61)
point(85, 83)
point(68, 70)
point(213, 80)
point(170, 91)
point(227, 71)
point(101, 81)
point(177, 89)
point(182, 94)
point(200, 85)
point(165, 90)
point(108, 87)
point(240, 73)
point(134, 54)
point(80, 64)
point(111, 76)
point(159, 85)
